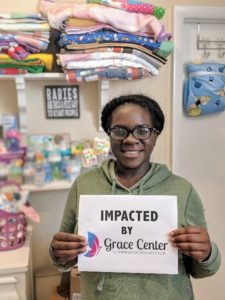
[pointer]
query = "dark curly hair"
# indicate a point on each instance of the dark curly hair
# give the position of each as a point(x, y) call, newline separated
point(147, 103)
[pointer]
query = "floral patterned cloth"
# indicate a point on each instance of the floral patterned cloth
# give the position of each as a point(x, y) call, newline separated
point(104, 36)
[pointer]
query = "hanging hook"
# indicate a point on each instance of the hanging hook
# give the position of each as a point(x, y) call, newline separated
point(206, 53)
point(203, 42)
point(221, 53)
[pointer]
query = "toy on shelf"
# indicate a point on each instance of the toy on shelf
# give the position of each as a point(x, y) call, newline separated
point(55, 159)
point(12, 139)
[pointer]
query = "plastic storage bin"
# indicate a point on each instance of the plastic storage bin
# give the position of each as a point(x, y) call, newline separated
point(12, 224)
point(12, 230)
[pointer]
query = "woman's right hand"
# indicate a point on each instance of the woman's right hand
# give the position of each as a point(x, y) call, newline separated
point(67, 246)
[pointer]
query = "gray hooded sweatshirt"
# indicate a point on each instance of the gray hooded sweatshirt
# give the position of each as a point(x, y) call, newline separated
point(129, 286)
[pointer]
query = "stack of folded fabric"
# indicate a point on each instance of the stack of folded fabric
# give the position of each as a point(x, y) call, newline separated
point(22, 39)
point(121, 39)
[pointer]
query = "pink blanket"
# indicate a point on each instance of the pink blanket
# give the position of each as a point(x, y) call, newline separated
point(122, 20)
point(139, 6)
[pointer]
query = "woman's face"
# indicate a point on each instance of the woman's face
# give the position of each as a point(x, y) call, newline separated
point(132, 153)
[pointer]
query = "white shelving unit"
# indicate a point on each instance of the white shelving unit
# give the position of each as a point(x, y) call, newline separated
point(20, 84)
point(16, 277)
point(52, 186)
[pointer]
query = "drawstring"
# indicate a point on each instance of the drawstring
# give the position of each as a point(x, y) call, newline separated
point(140, 188)
point(113, 190)
point(101, 283)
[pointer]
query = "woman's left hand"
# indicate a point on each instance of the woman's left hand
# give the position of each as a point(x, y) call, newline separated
point(192, 241)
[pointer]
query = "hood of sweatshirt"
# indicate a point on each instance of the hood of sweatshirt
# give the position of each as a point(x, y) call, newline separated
point(156, 175)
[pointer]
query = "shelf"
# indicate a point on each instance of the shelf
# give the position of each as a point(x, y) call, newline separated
point(16, 271)
point(52, 186)
point(20, 84)
point(31, 76)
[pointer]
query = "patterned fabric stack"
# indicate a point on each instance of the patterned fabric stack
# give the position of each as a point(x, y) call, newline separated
point(22, 38)
point(102, 39)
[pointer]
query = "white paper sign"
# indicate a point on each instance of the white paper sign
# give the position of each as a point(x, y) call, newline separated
point(128, 233)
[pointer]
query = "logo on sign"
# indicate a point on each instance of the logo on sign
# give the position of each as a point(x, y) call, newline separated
point(93, 244)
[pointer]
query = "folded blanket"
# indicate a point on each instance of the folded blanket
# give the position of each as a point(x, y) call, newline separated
point(151, 58)
point(74, 76)
point(103, 59)
point(119, 19)
point(104, 36)
point(31, 65)
point(109, 38)
point(68, 29)
point(46, 58)
point(29, 43)
point(139, 6)
point(24, 27)
point(20, 16)
point(204, 89)
point(93, 46)
point(12, 71)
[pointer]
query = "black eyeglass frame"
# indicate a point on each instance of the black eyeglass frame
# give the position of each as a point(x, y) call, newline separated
point(128, 131)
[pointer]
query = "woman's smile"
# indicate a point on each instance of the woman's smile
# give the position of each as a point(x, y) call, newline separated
point(131, 153)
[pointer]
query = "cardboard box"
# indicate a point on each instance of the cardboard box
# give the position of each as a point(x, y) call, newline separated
point(55, 295)
point(74, 282)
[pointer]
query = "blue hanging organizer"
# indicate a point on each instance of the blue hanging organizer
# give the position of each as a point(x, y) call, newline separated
point(204, 89)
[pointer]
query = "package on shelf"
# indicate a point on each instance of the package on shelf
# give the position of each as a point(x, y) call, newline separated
point(11, 165)
point(12, 156)
point(74, 168)
point(16, 171)
point(43, 140)
point(10, 146)
point(8, 122)
point(79, 145)
point(29, 172)
point(101, 146)
point(47, 158)
point(89, 158)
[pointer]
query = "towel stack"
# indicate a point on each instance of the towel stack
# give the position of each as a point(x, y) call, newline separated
point(102, 39)
point(22, 39)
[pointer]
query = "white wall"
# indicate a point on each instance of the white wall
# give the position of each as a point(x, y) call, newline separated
point(199, 143)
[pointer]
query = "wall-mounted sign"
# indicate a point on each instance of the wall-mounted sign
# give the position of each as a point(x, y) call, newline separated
point(62, 102)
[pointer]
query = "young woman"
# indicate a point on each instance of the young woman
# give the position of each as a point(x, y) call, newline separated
point(133, 123)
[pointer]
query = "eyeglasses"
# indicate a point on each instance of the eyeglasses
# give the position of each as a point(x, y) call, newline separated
point(120, 133)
